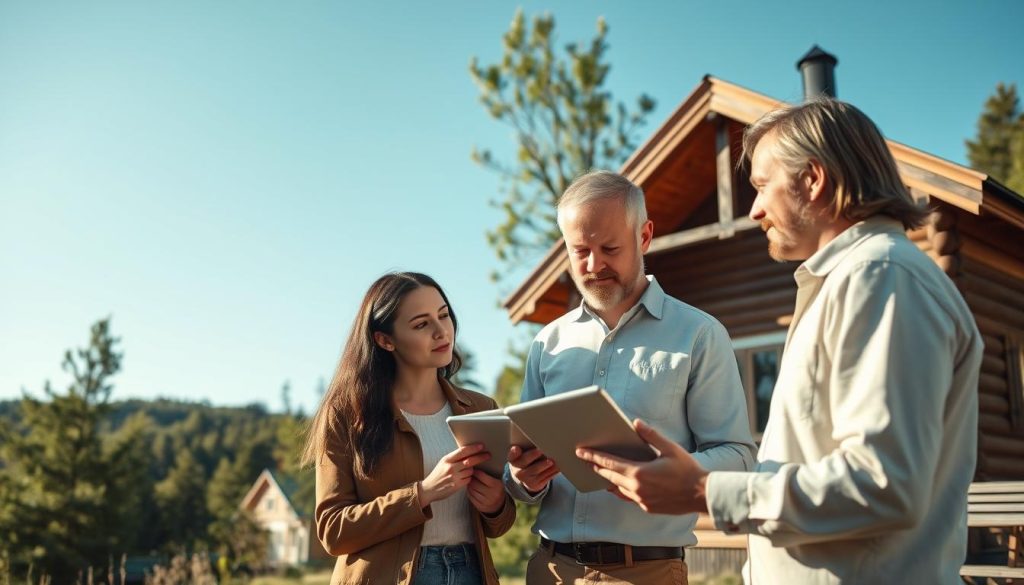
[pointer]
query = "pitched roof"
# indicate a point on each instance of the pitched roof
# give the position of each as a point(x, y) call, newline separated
point(264, 483)
point(676, 169)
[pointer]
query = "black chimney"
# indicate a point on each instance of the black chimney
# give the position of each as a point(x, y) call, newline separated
point(818, 70)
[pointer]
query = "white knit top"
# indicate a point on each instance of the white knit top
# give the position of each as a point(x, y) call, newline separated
point(451, 523)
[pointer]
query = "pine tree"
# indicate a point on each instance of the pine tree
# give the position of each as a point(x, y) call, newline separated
point(57, 507)
point(181, 499)
point(998, 149)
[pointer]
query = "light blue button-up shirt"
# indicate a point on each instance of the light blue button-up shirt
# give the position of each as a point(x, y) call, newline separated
point(667, 363)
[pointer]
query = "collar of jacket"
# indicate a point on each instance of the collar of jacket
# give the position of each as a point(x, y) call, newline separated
point(456, 397)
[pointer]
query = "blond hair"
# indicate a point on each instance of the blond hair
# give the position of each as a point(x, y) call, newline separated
point(852, 151)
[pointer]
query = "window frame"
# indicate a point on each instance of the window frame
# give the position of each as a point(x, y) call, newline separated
point(744, 348)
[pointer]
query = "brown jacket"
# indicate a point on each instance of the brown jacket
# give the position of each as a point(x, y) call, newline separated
point(374, 525)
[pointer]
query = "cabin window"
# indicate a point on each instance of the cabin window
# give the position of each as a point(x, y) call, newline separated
point(270, 503)
point(1014, 345)
point(758, 358)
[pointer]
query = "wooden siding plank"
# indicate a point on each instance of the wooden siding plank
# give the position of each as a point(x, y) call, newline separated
point(996, 259)
point(995, 487)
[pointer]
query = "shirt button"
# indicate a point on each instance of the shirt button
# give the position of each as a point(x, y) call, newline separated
point(600, 372)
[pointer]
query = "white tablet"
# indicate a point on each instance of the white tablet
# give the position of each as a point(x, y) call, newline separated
point(587, 417)
point(492, 428)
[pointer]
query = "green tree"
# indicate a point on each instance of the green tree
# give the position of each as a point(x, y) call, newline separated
point(130, 485)
point(181, 499)
point(565, 123)
point(286, 397)
point(291, 435)
point(998, 149)
point(59, 490)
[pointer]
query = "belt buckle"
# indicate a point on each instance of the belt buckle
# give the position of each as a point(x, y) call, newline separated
point(579, 552)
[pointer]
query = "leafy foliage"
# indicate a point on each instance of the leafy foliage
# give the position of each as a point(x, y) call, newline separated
point(565, 123)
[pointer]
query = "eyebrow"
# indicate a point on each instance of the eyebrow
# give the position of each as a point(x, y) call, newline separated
point(422, 315)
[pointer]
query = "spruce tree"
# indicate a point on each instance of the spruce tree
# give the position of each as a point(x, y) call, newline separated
point(998, 149)
point(57, 505)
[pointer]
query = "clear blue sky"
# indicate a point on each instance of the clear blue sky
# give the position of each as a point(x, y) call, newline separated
point(225, 179)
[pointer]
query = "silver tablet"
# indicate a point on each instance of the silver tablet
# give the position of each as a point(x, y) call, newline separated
point(587, 417)
point(494, 430)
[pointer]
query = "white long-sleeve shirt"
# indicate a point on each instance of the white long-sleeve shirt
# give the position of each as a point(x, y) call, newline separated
point(871, 442)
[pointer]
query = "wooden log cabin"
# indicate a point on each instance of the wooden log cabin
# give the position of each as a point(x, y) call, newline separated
point(707, 253)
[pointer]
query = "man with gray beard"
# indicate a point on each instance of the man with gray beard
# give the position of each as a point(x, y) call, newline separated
point(660, 359)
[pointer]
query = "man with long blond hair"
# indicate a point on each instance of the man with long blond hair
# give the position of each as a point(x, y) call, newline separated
point(870, 446)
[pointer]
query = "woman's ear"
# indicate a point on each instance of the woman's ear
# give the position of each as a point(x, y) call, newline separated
point(383, 341)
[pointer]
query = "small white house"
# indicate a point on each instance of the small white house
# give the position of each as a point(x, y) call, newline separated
point(269, 504)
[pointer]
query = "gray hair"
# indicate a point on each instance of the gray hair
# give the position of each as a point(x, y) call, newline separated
point(600, 185)
point(851, 149)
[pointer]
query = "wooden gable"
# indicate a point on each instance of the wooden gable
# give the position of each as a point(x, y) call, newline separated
point(267, 500)
point(687, 170)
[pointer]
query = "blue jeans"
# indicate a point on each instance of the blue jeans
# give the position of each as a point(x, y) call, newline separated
point(448, 565)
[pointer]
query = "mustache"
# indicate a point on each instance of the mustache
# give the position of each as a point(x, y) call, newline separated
point(599, 275)
point(766, 225)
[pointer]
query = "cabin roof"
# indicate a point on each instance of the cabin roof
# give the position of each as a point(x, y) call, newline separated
point(676, 168)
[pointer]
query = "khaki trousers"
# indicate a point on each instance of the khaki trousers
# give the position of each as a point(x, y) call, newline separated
point(547, 568)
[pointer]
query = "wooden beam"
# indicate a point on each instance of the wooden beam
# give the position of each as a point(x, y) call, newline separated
point(723, 168)
point(703, 233)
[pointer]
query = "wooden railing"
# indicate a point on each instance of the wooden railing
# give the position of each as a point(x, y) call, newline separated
point(998, 504)
point(710, 537)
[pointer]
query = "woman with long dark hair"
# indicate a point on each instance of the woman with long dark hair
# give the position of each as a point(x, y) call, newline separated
point(397, 500)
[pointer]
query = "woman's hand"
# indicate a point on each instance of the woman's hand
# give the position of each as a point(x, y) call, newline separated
point(486, 493)
point(451, 473)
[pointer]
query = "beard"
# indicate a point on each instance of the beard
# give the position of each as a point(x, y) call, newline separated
point(601, 294)
point(783, 247)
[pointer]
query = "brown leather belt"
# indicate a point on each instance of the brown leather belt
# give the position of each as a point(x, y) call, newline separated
point(612, 553)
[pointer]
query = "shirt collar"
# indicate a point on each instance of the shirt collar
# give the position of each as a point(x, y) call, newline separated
point(653, 300)
point(822, 262)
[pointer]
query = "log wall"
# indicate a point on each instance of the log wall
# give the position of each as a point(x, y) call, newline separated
point(734, 280)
